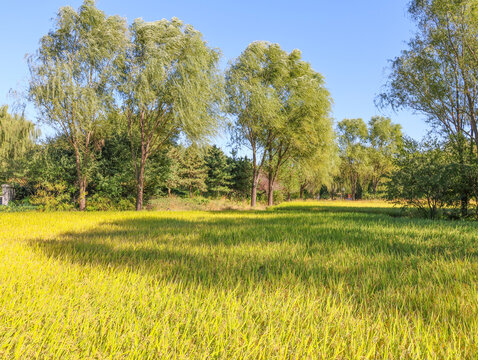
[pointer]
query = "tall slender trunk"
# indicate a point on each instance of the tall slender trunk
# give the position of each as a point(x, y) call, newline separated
point(302, 189)
point(464, 191)
point(270, 189)
point(140, 184)
point(82, 187)
point(82, 182)
point(255, 179)
point(169, 192)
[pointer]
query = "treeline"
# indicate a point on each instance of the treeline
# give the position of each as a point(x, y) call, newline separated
point(99, 82)
point(125, 100)
point(47, 176)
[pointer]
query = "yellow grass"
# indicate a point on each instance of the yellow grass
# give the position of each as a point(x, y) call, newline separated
point(328, 280)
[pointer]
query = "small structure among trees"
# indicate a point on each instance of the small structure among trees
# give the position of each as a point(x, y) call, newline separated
point(8, 194)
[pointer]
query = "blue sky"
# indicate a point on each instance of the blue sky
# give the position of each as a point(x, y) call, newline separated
point(347, 41)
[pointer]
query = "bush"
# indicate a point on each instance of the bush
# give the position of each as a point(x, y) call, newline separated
point(423, 179)
point(98, 202)
point(50, 197)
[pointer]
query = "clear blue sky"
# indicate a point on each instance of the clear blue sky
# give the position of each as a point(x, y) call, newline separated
point(348, 41)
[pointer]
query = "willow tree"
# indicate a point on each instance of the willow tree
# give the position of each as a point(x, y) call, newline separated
point(437, 75)
point(353, 134)
point(385, 140)
point(306, 133)
point(17, 137)
point(171, 85)
point(280, 106)
point(318, 168)
point(72, 79)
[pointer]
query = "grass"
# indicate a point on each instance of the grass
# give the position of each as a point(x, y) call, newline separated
point(175, 203)
point(312, 280)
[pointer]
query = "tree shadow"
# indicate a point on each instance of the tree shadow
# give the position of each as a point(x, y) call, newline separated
point(390, 211)
point(223, 250)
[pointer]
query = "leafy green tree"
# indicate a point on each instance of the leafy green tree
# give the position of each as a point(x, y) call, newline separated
point(423, 178)
point(241, 175)
point(385, 139)
point(318, 168)
point(173, 179)
point(219, 176)
point(254, 102)
point(51, 163)
point(281, 108)
point(289, 179)
point(170, 85)
point(72, 79)
point(193, 171)
point(353, 135)
point(17, 139)
point(438, 74)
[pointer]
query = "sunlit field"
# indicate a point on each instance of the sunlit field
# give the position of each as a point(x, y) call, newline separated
point(312, 280)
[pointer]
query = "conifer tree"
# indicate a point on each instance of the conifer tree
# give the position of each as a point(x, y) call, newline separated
point(193, 170)
point(219, 175)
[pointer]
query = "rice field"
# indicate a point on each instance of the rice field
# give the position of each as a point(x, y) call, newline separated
point(311, 280)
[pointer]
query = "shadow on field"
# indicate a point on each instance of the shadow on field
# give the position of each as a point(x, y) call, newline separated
point(367, 253)
point(390, 211)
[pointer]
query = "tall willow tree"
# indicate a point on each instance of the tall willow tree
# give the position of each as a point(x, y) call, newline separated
point(17, 137)
point(171, 85)
point(72, 77)
point(437, 75)
point(353, 135)
point(385, 139)
point(281, 108)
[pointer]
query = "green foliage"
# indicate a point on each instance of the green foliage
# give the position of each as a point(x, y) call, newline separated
point(281, 108)
point(170, 84)
point(219, 177)
point(423, 179)
point(386, 140)
point(437, 74)
point(17, 139)
point(193, 170)
point(241, 175)
point(52, 196)
point(72, 77)
point(353, 136)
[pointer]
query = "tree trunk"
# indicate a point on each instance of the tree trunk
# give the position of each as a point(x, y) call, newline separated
point(169, 192)
point(81, 181)
point(302, 192)
point(82, 187)
point(270, 190)
point(140, 184)
point(255, 180)
point(254, 194)
point(288, 196)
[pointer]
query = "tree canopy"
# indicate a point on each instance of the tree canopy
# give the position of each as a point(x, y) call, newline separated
point(170, 85)
point(72, 79)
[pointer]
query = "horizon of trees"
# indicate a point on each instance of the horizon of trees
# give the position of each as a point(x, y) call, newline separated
point(125, 99)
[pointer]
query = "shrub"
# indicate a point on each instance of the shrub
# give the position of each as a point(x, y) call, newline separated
point(50, 197)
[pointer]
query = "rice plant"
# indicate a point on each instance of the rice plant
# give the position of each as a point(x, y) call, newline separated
point(311, 280)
